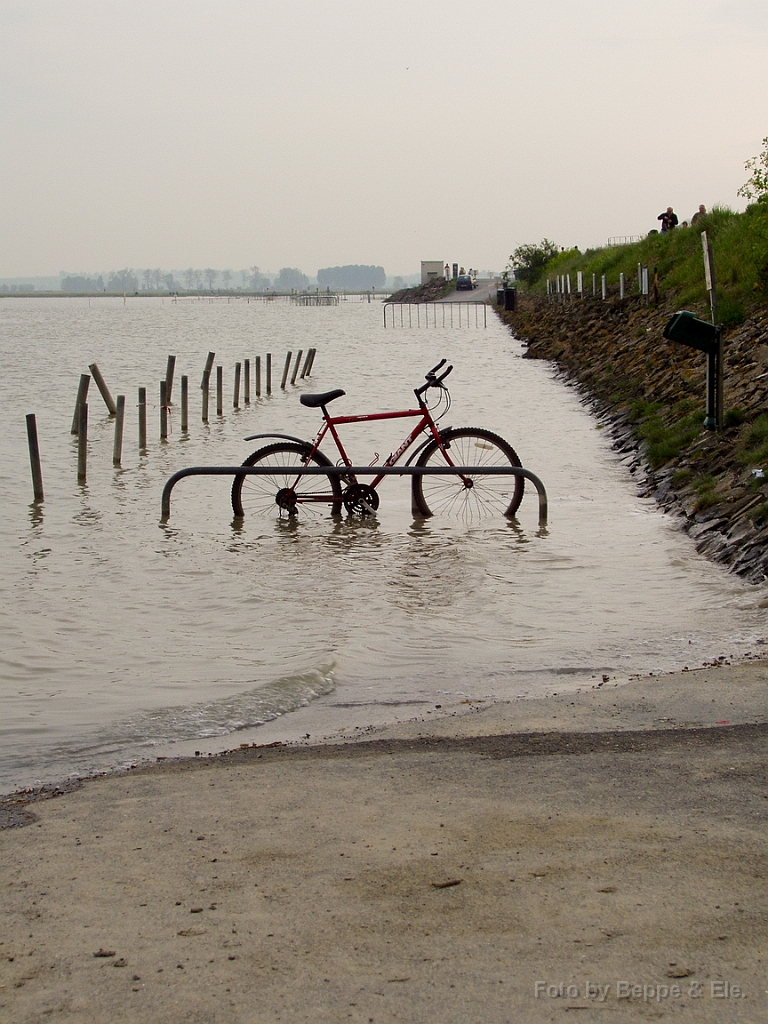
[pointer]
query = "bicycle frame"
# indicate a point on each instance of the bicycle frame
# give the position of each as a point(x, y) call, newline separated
point(331, 422)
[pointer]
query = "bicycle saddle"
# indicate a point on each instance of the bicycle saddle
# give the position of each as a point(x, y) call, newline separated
point(313, 401)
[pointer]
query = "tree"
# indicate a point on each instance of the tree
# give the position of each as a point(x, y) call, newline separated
point(757, 186)
point(257, 281)
point(122, 281)
point(210, 277)
point(226, 279)
point(290, 278)
point(528, 261)
point(189, 278)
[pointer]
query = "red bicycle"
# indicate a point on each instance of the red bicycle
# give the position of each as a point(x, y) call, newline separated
point(472, 498)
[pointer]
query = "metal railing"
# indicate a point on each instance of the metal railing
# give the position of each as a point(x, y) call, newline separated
point(358, 471)
point(436, 314)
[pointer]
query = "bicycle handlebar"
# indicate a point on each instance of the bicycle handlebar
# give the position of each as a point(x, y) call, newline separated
point(432, 380)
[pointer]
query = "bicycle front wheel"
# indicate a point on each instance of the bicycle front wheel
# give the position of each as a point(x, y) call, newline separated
point(470, 498)
point(282, 489)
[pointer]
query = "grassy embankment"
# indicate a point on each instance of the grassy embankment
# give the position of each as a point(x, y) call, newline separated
point(740, 243)
point(656, 389)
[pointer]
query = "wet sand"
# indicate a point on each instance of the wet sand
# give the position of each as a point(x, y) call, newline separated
point(601, 853)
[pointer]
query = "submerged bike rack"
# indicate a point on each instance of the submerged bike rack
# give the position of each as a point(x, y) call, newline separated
point(358, 471)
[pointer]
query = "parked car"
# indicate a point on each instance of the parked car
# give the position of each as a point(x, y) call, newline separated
point(464, 283)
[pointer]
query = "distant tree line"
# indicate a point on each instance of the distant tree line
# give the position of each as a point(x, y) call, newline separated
point(353, 277)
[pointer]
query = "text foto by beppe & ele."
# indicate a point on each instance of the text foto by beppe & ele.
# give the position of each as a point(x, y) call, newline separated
point(657, 993)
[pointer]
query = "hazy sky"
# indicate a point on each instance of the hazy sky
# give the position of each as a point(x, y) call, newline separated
point(311, 133)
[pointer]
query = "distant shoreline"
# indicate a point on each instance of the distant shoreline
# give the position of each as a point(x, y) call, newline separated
point(186, 295)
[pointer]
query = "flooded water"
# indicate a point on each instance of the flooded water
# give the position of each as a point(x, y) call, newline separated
point(125, 638)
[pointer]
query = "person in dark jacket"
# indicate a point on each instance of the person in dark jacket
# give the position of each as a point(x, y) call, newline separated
point(668, 220)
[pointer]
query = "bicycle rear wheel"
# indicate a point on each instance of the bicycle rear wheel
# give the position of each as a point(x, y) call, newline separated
point(282, 490)
point(469, 498)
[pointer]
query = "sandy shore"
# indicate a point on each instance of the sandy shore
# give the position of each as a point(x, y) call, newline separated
point(600, 854)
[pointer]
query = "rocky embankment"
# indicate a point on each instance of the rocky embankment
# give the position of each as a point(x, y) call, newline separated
point(629, 374)
point(432, 291)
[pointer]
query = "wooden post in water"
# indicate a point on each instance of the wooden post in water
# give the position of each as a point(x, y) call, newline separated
point(108, 400)
point(142, 419)
point(171, 366)
point(184, 403)
point(206, 393)
point(163, 410)
point(82, 396)
point(312, 354)
point(117, 451)
point(34, 457)
point(247, 382)
point(306, 363)
point(219, 391)
point(236, 395)
point(257, 375)
point(269, 373)
point(285, 369)
point(82, 442)
point(299, 354)
point(208, 368)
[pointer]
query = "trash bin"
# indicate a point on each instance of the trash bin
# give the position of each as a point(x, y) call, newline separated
point(510, 298)
point(500, 297)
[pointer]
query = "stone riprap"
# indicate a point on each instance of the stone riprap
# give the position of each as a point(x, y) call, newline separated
point(616, 353)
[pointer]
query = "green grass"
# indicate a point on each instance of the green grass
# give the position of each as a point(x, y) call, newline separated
point(753, 443)
point(740, 246)
point(666, 432)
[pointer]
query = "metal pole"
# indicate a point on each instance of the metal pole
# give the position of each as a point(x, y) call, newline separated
point(311, 470)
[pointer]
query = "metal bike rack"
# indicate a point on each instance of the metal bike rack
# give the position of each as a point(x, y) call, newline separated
point(357, 471)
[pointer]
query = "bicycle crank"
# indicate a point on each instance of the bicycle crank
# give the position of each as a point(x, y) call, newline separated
point(360, 500)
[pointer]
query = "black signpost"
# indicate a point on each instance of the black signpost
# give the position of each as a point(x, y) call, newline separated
point(686, 329)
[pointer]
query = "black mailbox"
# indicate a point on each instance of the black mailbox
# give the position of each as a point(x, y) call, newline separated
point(685, 328)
